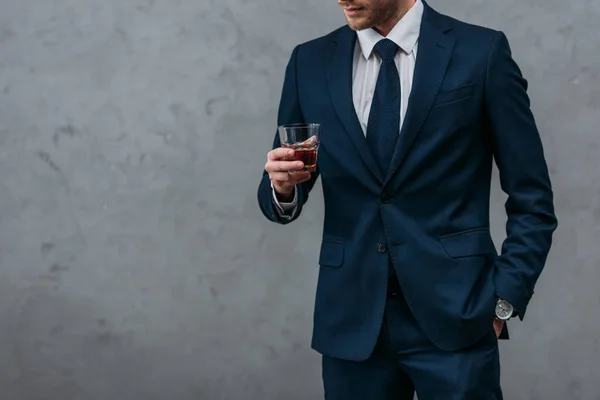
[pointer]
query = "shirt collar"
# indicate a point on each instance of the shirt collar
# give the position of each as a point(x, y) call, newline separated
point(405, 34)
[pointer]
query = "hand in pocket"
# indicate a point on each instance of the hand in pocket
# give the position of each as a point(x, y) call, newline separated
point(498, 325)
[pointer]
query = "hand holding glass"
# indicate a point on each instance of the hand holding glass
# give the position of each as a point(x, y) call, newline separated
point(304, 140)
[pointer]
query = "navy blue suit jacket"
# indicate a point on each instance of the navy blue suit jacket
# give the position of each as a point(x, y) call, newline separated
point(468, 107)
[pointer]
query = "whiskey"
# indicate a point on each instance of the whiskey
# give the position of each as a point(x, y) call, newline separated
point(305, 152)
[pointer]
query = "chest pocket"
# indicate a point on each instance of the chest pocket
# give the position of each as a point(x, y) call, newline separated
point(454, 95)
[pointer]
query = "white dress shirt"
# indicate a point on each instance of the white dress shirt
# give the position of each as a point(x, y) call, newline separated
point(366, 70)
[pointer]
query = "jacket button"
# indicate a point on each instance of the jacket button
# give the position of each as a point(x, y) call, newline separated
point(385, 198)
point(381, 248)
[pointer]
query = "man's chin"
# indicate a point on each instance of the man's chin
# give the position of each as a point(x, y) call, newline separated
point(357, 26)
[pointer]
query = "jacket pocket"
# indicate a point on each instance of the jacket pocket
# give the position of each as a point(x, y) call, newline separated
point(449, 96)
point(332, 253)
point(468, 243)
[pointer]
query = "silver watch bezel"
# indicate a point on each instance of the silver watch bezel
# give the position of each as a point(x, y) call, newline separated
point(501, 306)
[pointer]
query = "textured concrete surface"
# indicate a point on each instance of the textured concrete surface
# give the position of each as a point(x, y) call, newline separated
point(134, 263)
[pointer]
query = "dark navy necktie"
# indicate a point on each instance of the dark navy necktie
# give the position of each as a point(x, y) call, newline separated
point(384, 119)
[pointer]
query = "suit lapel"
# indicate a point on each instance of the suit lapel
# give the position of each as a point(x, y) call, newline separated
point(433, 54)
point(340, 88)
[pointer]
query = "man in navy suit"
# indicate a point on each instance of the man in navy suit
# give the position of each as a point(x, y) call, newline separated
point(414, 108)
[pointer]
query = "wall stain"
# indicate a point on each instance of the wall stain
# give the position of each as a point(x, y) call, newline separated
point(58, 268)
point(211, 103)
point(57, 330)
point(122, 34)
point(105, 338)
point(67, 131)
point(272, 353)
point(46, 249)
point(5, 34)
point(166, 136)
point(146, 6)
point(45, 157)
point(286, 333)
point(176, 109)
point(261, 240)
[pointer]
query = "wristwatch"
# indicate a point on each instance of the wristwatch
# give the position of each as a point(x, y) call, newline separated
point(504, 310)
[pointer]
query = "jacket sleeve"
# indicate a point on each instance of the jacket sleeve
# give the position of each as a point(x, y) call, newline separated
point(524, 177)
point(289, 112)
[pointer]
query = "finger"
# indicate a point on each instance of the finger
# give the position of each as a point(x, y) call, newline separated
point(303, 180)
point(293, 177)
point(300, 177)
point(280, 177)
point(283, 166)
point(280, 154)
point(498, 325)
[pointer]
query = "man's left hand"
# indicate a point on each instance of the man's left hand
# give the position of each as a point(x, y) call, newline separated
point(498, 325)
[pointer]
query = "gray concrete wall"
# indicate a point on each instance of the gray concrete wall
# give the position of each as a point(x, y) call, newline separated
point(134, 263)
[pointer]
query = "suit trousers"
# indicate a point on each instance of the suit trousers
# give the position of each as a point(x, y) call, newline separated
point(405, 361)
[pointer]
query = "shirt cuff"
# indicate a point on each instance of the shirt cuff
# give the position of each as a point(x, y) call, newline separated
point(286, 210)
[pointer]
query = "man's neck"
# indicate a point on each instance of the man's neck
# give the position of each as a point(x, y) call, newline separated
point(387, 27)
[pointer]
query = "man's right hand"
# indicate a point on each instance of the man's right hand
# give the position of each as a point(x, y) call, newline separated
point(279, 162)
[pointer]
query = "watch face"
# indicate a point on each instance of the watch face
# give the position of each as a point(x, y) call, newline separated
point(504, 310)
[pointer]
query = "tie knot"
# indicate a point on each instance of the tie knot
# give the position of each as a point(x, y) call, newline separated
point(386, 49)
